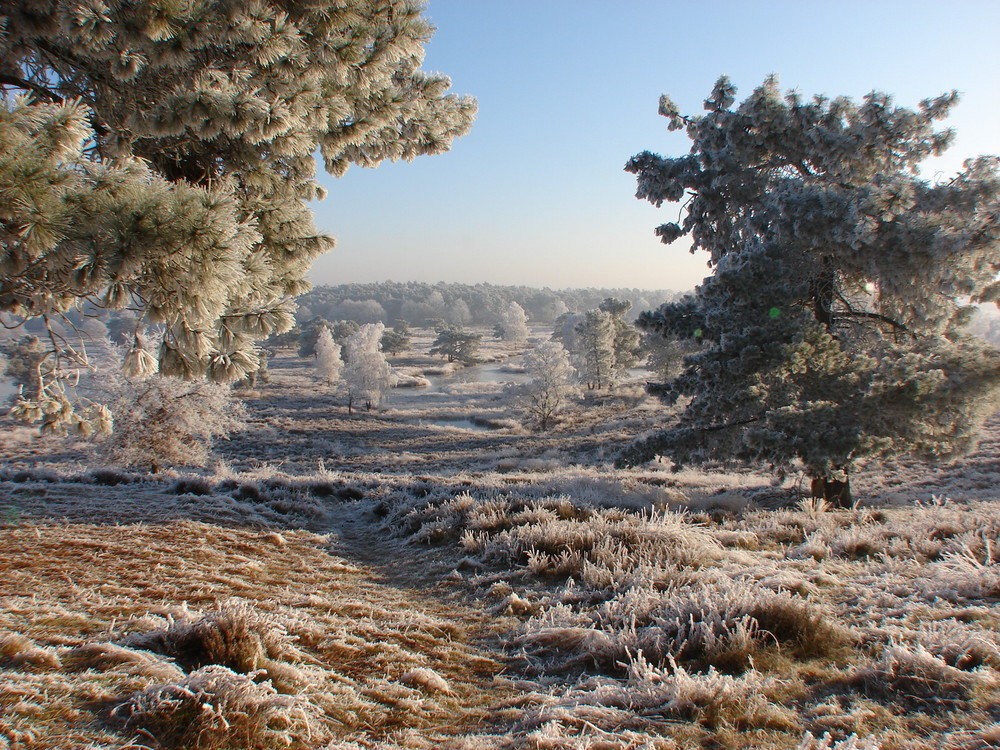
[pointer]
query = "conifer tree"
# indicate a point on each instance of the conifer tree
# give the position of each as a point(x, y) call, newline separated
point(398, 339)
point(626, 336)
point(832, 330)
point(457, 344)
point(594, 357)
point(160, 156)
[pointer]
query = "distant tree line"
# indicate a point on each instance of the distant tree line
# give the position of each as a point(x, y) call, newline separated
point(422, 304)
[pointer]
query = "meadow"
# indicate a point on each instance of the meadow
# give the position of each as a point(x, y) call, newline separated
point(434, 574)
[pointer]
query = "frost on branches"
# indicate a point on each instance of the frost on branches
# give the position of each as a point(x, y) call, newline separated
point(159, 156)
point(367, 374)
point(160, 421)
point(328, 361)
point(604, 344)
point(513, 324)
point(550, 386)
point(833, 329)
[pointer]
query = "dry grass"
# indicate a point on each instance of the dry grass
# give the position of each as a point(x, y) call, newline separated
point(380, 581)
point(114, 634)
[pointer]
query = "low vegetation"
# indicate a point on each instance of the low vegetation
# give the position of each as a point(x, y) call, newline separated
point(386, 580)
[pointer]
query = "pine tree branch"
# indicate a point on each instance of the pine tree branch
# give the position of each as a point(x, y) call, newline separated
point(36, 89)
point(879, 317)
point(866, 315)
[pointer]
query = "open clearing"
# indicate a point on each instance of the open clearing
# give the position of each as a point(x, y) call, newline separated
point(385, 579)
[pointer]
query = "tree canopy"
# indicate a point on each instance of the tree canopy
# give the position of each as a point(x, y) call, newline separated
point(160, 156)
point(833, 327)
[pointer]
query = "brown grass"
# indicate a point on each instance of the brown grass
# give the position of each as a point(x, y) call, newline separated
point(113, 634)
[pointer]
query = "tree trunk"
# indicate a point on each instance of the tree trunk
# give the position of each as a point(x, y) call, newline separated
point(835, 491)
point(821, 289)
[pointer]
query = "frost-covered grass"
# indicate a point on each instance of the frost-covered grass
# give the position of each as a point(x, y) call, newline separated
point(385, 580)
point(197, 635)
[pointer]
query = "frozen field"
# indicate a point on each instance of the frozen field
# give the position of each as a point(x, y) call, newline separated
point(432, 574)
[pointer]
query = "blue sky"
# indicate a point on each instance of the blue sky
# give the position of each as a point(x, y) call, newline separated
point(568, 89)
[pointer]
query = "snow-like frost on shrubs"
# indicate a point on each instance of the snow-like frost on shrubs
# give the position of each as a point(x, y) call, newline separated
point(161, 421)
point(215, 708)
point(915, 676)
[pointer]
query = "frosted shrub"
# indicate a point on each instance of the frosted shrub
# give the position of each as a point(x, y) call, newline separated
point(162, 421)
point(550, 385)
point(510, 530)
point(215, 708)
point(722, 625)
point(236, 637)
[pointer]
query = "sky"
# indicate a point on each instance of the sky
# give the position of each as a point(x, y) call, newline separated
point(568, 90)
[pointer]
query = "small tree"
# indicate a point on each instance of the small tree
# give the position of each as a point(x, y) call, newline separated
point(367, 375)
point(328, 361)
point(161, 421)
point(626, 337)
point(551, 384)
point(341, 330)
point(513, 324)
point(27, 364)
point(833, 327)
point(457, 345)
point(397, 340)
point(595, 354)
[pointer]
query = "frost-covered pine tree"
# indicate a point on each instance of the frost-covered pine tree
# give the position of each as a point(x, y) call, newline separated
point(626, 336)
point(513, 324)
point(160, 156)
point(550, 385)
point(594, 356)
point(833, 327)
point(367, 374)
point(398, 339)
point(457, 345)
point(328, 361)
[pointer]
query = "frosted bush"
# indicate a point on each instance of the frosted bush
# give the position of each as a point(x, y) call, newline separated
point(723, 625)
point(607, 537)
point(215, 708)
point(162, 421)
point(237, 637)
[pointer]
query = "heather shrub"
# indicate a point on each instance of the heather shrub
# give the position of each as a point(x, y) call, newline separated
point(216, 708)
point(236, 637)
